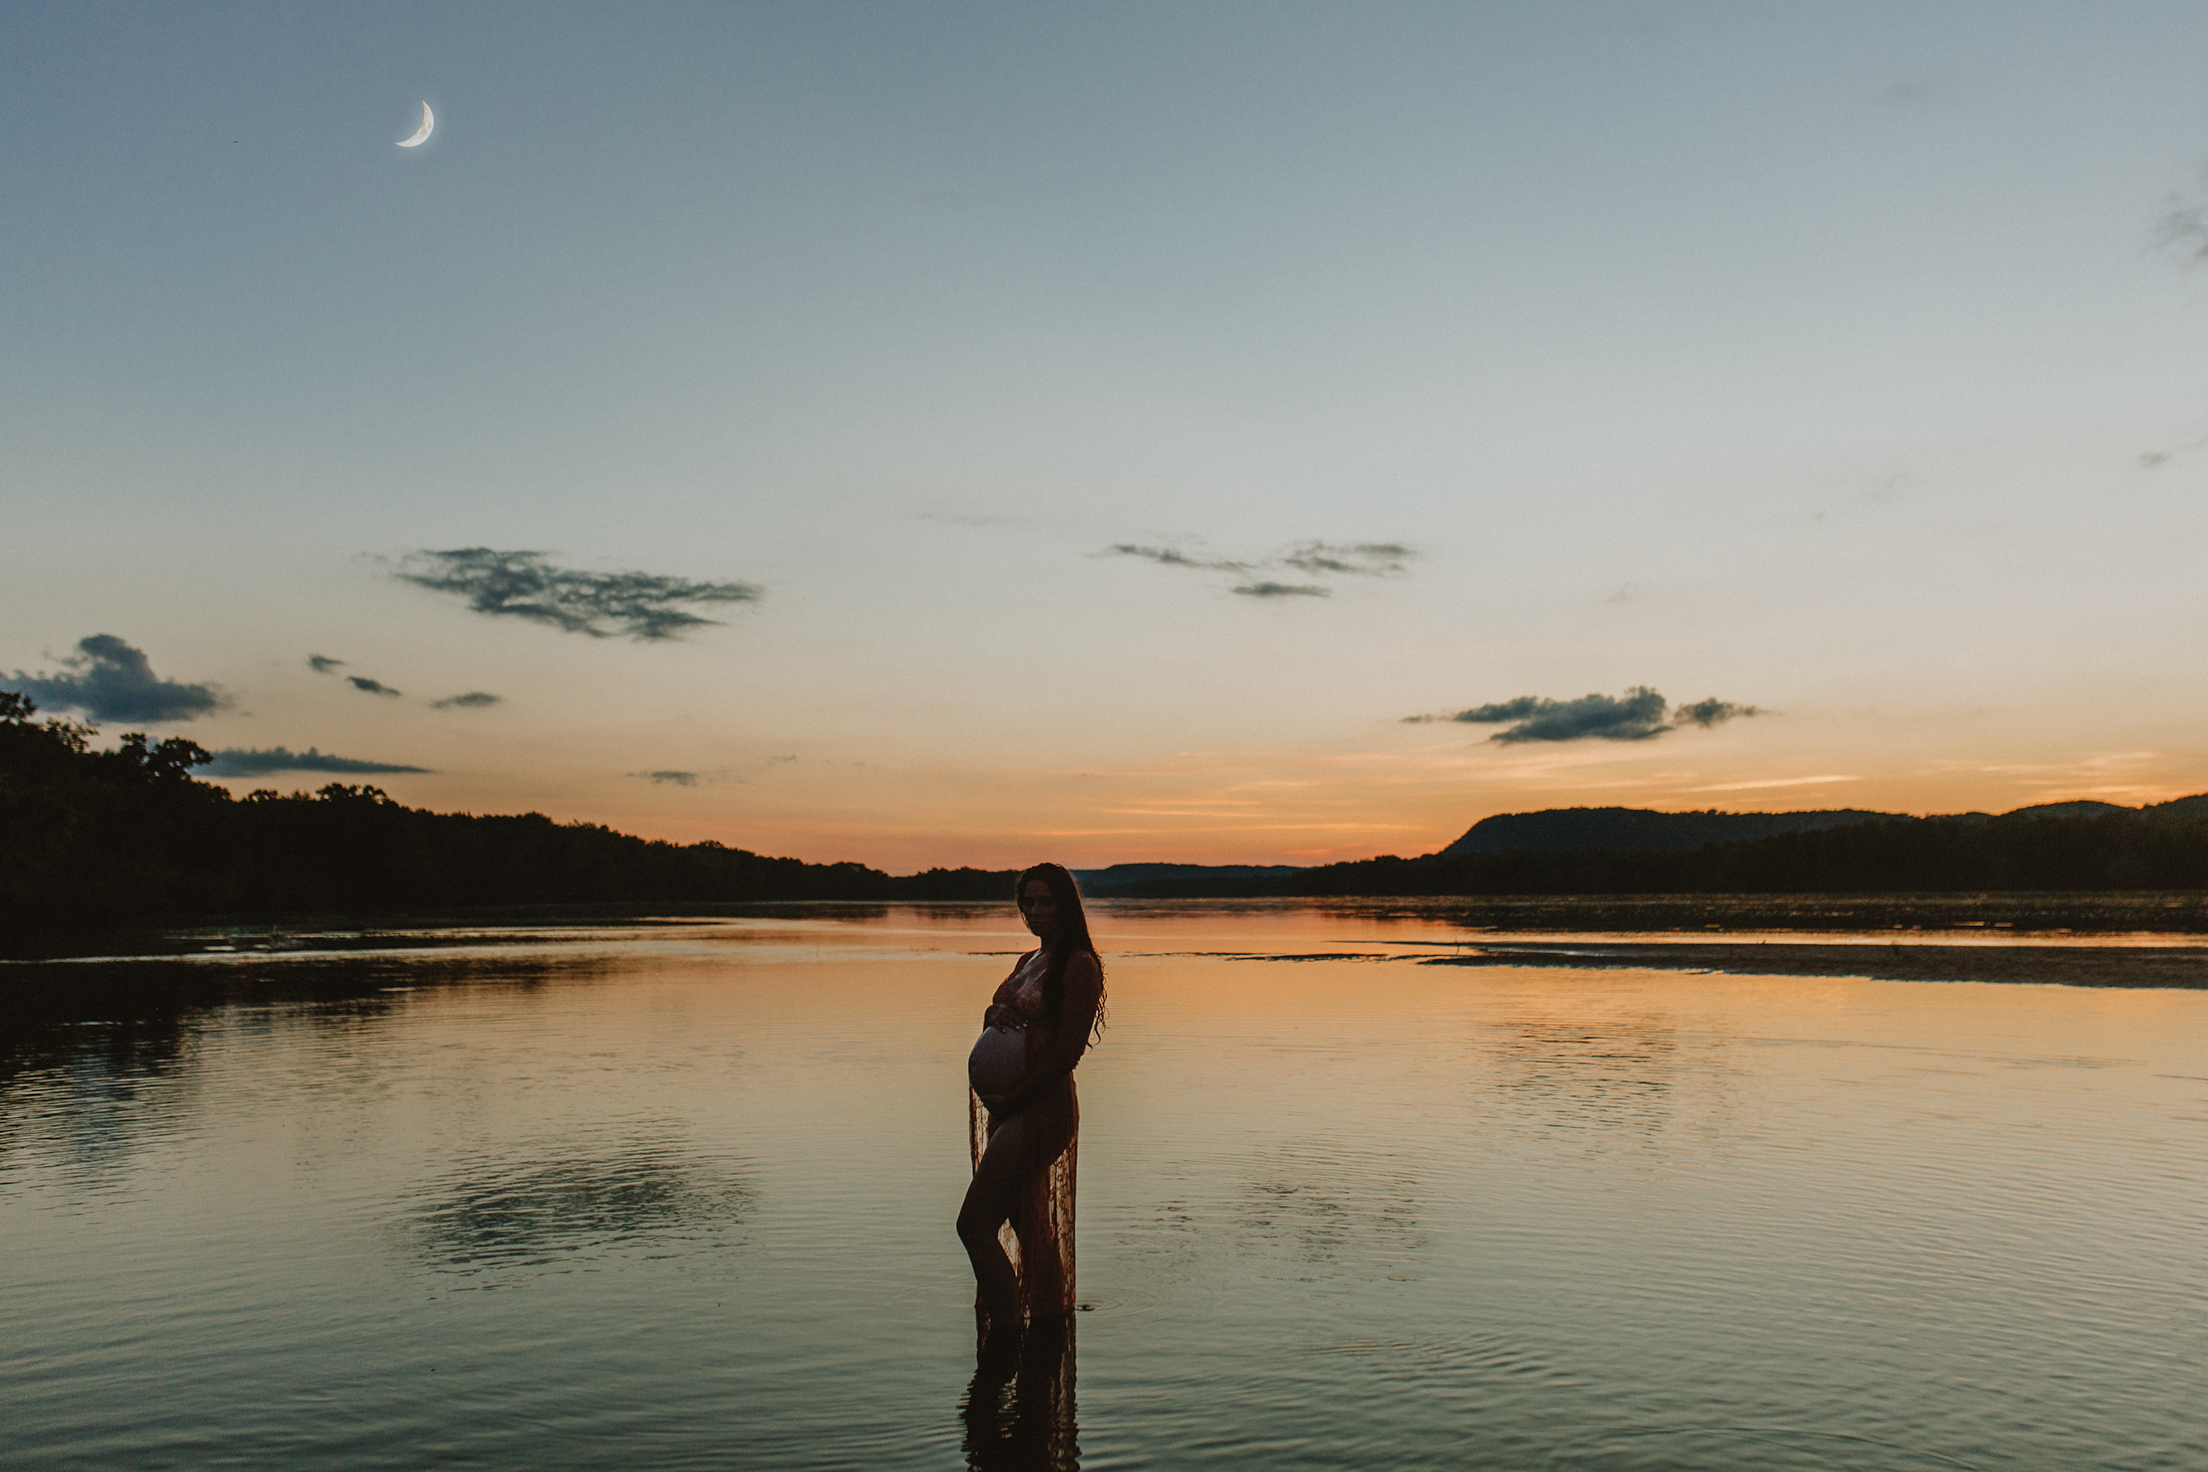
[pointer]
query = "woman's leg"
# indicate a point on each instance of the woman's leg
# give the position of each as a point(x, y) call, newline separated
point(989, 1205)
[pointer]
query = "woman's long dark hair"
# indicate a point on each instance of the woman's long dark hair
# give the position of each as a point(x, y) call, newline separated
point(1073, 937)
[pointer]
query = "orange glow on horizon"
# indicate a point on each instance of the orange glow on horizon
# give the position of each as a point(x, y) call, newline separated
point(1252, 808)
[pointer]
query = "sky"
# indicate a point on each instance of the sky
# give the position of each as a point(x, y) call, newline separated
point(974, 433)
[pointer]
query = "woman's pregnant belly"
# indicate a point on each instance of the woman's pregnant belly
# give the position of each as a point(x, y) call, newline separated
point(999, 1060)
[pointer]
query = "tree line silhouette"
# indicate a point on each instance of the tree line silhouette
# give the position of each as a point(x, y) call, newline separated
point(129, 836)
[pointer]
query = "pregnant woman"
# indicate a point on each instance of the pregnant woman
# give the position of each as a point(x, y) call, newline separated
point(1023, 1112)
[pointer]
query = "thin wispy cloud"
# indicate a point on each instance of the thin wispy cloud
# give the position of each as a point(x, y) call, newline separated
point(1283, 590)
point(1711, 712)
point(1349, 559)
point(472, 700)
point(637, 605)
point(2180, 232)
point(1777, 782)
point(1175, 557)
point(668, 778)
point(322, 664)
point(1640, 714)
point(2156, 459)
point(1313, 559)
point(109, 680)
point(371, 687)
point(255, 762)
point(951, 516)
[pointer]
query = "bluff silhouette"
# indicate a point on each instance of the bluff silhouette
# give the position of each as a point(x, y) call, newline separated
point(2082, 846)
point(1579, 830)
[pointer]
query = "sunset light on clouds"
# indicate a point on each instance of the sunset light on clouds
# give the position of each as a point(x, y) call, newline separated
point(1231, 434)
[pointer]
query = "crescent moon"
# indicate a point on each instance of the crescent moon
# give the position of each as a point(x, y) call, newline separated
point(421, 134)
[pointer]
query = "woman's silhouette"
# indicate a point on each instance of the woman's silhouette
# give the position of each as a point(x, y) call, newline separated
point(1023, 1114)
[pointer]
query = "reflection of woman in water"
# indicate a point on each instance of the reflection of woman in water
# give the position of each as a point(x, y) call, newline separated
point(1019, 1409)
point(1024, 1116)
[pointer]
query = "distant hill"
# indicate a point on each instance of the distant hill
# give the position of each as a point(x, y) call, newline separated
point(1125, 876)
point(1642, 830)
point(2084, 808)
point(2049, 847)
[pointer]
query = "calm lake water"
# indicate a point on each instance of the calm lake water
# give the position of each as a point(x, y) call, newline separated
point(681, 1196)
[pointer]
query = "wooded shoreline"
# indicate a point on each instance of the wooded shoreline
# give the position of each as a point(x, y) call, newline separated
point(129, 837)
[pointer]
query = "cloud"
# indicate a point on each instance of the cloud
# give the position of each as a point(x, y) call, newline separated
point(1313, 559)
point(677, 779)
point(111, 681)
point(1778, 782)
point(2182, 232)
point(643, 606)
point(470, 701)
point(322, 664)
point(372, 687)
point(1711, 712)
point(953, 517)
point(236, 762)
point(1637, 715)
point(1349, 559)
point(1175, 557)
point(2156, 459)
point(1634, 716)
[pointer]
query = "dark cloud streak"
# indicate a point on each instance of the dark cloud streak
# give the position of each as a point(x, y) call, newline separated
point(1640, 714)
point(2182, 232)
point(238, 762)
point(472, 700)
point(1284, 590)
point(1349, 559)
point(1175, 557)
point(642, 606)
point(371, 687)
point(1711, 712)
point(1313, 559)
point(109, 680)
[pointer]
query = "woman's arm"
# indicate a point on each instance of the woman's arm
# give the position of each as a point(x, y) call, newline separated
point(1000, 1012)
point(1069, 1040)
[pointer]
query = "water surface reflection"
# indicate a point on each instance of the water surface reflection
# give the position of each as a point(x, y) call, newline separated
point(497, 1211)
point(1019, 1408)
point(1613, 1073)
point(1338, 1209)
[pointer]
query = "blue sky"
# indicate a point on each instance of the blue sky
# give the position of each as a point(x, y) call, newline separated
point(1803, 357)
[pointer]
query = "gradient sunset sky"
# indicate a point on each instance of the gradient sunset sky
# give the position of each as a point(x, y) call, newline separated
point(1095, 432)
